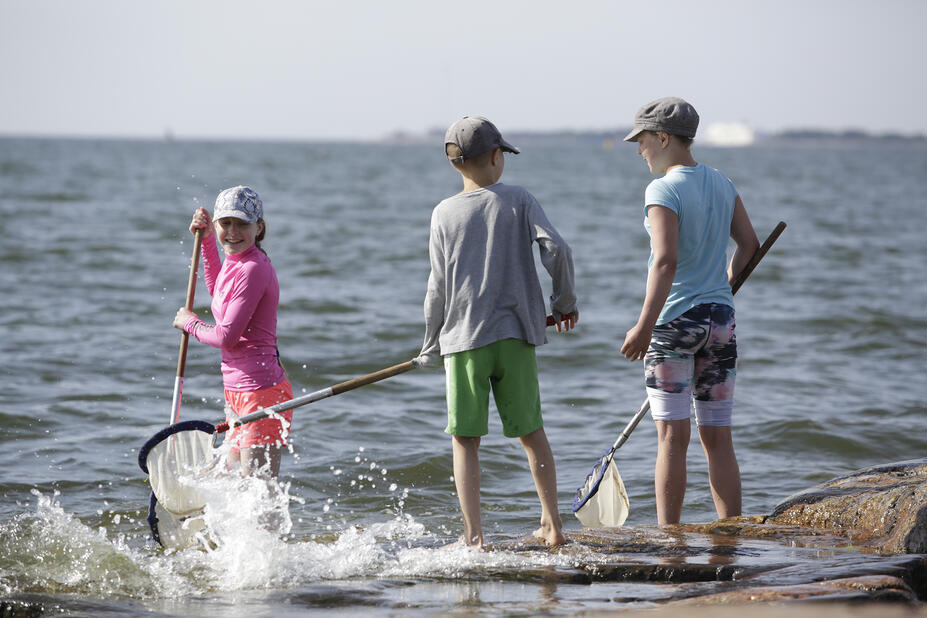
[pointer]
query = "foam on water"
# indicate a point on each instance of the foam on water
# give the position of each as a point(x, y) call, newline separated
point(251, 548)
point(52, 551)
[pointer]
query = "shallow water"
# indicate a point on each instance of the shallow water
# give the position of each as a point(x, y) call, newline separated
point(95, 254)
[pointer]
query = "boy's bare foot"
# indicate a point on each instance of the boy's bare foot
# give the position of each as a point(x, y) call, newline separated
point(462, 543)
point(549, 536)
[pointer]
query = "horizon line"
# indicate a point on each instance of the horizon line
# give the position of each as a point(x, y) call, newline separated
point(411, 136)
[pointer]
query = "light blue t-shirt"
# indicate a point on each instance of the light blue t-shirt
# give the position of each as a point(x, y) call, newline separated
point(703, 200)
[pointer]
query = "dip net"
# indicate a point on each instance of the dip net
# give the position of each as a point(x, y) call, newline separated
point(173, 459)
point(602, 501)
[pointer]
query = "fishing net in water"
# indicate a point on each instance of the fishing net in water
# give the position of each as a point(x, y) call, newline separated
point(602, 502)
point(173, 458)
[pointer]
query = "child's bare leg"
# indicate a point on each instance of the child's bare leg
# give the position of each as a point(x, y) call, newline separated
point(264, 460)
point(467, 481)
point(541, 462)
point(232, 459)
point(723, 471)
point(670, 471)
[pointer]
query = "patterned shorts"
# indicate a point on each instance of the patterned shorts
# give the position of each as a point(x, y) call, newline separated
point(693, 357)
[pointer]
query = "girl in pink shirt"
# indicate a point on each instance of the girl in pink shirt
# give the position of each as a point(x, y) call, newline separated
point(245, 294)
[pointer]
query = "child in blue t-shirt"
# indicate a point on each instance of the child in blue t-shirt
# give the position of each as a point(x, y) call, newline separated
point(685, 331)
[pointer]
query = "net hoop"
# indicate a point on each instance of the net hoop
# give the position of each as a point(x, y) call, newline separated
point(169, 458)
point(593, 480)
point(166, 433)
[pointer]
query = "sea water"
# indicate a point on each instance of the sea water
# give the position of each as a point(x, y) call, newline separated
point(94, 257)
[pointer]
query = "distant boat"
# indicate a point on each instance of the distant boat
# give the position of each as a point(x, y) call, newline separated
point(728, 134)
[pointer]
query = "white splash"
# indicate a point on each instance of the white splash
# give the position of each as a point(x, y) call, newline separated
point(250, 547)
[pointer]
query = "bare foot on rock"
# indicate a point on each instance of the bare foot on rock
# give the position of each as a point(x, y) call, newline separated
point(549, 536)
point(462, 543)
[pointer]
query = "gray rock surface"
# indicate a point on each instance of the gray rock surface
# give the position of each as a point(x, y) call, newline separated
point(860, 538)
point(883, 508)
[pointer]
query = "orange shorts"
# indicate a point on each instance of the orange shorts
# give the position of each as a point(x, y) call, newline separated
point(267, 431)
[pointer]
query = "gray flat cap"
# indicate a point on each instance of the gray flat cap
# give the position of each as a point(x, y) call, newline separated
point(670, 114)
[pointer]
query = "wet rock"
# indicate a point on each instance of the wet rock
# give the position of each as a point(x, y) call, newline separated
point(792, 609)
point(13, 608)
point(858, 539)
point(879, 588)
point(742, 560)
point(882, 508)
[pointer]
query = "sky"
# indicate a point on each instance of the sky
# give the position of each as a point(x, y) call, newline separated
point(306, 70)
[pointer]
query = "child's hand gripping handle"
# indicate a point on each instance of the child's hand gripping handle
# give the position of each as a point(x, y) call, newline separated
point(566, 320)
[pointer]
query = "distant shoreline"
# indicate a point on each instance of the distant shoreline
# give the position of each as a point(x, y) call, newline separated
point(788, 136)
point(606, 138)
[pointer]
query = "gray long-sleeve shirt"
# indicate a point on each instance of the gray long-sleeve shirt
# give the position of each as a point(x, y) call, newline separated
point(483, 285)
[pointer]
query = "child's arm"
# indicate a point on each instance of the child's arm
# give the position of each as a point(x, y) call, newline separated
point(211, 263)
point(745, 237)
point(430, 356)
point(557, 258)
point(664, 231)
point(241, 303)
point(210, 254)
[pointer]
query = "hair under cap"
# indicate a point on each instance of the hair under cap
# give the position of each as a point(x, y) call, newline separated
point(670, 114)
point(475, 135)
point(240, 202)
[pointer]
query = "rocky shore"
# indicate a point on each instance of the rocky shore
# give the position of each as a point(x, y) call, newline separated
point(860, 539)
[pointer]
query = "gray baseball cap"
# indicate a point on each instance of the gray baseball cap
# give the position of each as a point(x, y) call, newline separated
point(240, 202)
point(670, 114)
point(474, 136)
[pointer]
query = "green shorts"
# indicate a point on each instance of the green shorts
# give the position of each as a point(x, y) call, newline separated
point(508, 367)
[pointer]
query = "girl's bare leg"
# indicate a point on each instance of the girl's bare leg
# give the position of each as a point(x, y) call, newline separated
point(263, 460)
point(723, 471)
point(670, 471)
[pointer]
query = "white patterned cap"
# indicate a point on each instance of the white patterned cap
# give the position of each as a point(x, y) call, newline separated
point(240, 202)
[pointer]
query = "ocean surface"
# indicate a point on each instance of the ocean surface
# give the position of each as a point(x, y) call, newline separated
point(94, 258)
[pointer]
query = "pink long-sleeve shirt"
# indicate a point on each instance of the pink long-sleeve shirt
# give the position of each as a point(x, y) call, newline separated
point(245, 294)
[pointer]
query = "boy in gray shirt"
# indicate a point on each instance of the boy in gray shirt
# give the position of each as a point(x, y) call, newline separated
point(484, 313)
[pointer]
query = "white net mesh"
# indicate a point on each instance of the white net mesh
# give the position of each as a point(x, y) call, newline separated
point(180, 533)
point(173, 464)
point(609, 505)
